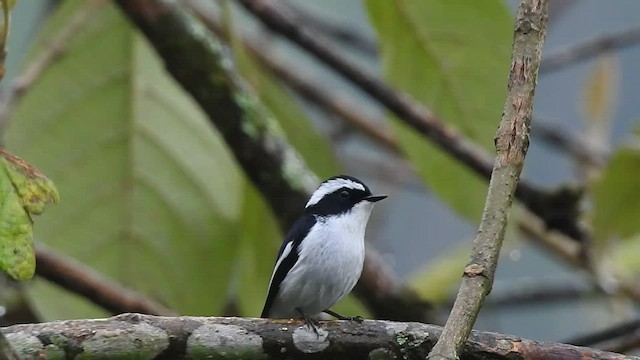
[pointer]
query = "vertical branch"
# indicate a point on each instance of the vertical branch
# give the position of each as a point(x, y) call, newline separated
point(512, 141)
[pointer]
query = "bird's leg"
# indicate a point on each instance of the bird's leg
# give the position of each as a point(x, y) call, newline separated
point(341, 317)
point(311, 323)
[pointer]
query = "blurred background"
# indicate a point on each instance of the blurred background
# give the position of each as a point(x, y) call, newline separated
point(145, 203)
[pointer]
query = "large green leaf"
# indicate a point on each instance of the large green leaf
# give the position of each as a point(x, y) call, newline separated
point(616, 209)
point(452, 55)
point(152, 196)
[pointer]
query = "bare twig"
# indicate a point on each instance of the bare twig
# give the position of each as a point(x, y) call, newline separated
point(575, 146)
point(133, 336)
point(83, 280)
point(562, 58)
point(512, 141)
point(341, 32)
point(527, 293)
point(53, 50)
point(275, 16)
point(616, 331)
point(193, 56)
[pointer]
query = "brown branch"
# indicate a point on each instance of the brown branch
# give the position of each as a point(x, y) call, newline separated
point(78, 278)
point(344, 33)
point(273, 15)
point(197, 62)
point(562, 140)
point(134, 336)
point(570, 56)
point(620, 330)
point(53, 50)
point(512, 142)
point(525, 293)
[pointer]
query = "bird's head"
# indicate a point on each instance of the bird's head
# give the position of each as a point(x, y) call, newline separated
point(341, 195)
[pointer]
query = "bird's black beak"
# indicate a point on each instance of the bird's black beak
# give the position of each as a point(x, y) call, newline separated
point(374, 198)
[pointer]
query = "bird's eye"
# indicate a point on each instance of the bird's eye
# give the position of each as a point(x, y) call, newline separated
point(345, 194)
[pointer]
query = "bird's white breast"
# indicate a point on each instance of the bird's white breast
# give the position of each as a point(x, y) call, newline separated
point(329, 264)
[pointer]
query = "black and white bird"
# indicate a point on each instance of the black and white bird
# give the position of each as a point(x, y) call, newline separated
point(322, 255)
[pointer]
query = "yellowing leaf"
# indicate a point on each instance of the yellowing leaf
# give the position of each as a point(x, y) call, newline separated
point(615, 194)
point(34, 189)
point(601, 90)
point(23, 191)
point(17, 257)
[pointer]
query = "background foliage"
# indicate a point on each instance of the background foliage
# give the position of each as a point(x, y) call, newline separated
point(153, 198)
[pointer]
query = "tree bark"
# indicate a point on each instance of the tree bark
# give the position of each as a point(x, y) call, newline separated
point(135, 336)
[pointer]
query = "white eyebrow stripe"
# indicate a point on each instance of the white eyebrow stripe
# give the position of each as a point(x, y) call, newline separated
point(330, 186)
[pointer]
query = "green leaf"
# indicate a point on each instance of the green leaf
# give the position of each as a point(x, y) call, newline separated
point(24, 192)
point(615, 211)
point(452, 56)
point(17, 257)
point(152, 195)
point(259, 243)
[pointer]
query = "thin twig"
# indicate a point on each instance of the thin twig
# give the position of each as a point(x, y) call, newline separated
point(580, 150)
point(53, 49)
point(275, 17)
point(83, 280)
point(570, 56)
point(600, 336)
point(527, 293)
point(621, 338)
point(341, 32)
point(512, 142)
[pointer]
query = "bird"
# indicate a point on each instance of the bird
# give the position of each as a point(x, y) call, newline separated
point(322, 255)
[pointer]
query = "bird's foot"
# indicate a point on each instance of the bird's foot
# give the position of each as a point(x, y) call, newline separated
point(310, 322)
point(357, 319)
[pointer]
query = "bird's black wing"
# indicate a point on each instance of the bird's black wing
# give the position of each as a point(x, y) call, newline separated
point(296, 234)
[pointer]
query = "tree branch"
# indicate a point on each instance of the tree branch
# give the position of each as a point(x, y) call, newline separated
point(143, 336)
point(616, 331)
point(83, 280)
point(571, 55)
point(341, 32)
point(196, 61)
point(512, 142)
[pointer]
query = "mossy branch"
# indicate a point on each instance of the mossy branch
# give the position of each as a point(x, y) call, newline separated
point(134, 336)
